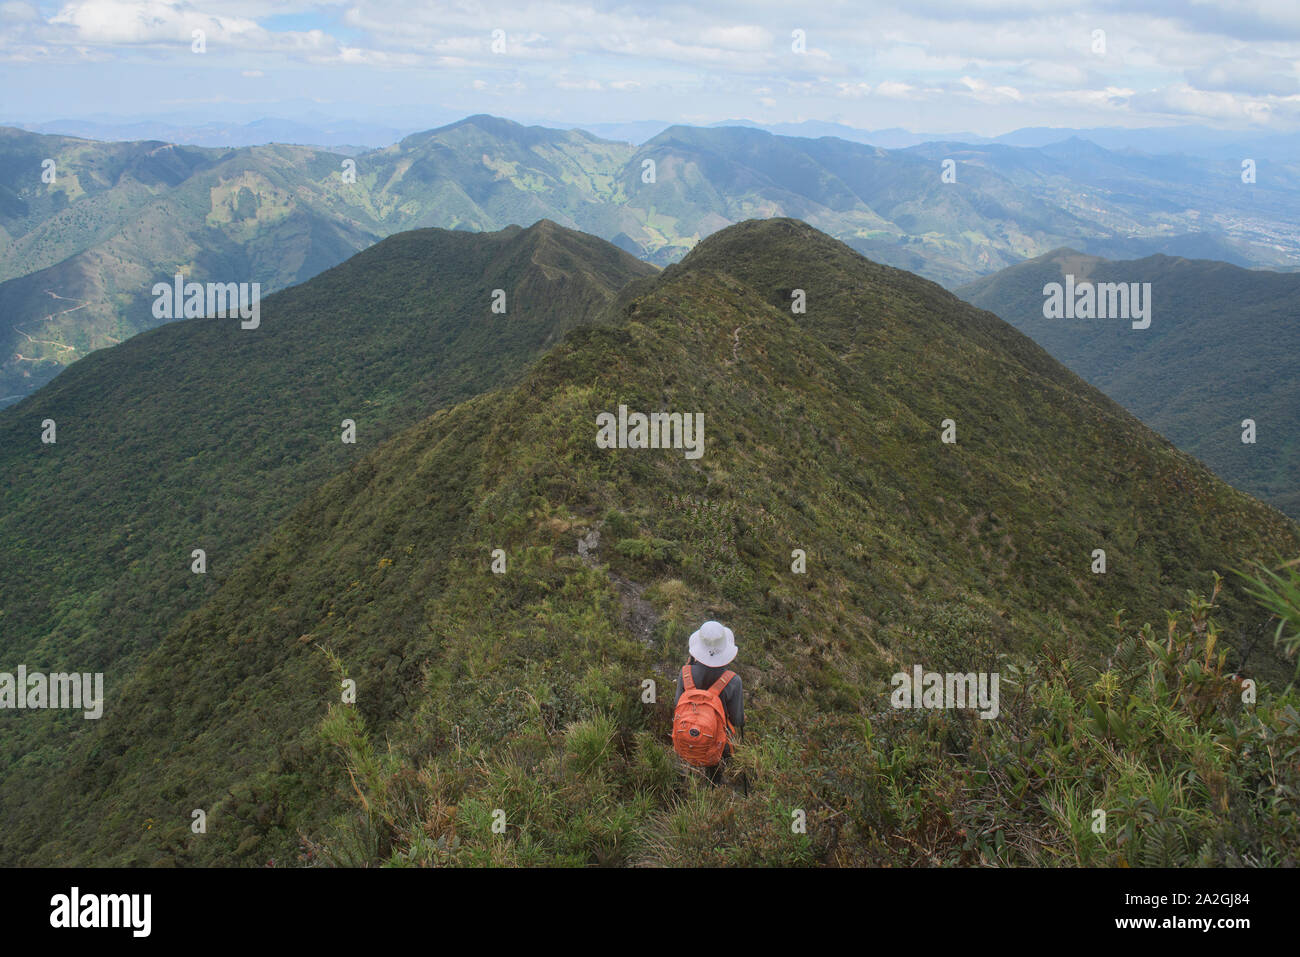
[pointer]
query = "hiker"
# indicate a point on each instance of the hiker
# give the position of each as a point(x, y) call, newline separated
point(709, 709)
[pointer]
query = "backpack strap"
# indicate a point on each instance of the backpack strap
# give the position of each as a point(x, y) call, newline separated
point(722, 682)
point(716, 688)
point(688, 683)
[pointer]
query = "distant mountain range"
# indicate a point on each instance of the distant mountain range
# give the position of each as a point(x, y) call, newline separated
point(348, 136)
point(1223, 346)
point(314, 129)
point(823, 436)
point(79, 256)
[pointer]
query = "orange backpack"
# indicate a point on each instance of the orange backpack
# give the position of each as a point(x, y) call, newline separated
point(700, 722)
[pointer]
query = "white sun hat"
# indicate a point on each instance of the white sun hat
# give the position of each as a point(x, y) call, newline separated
point(713, 645)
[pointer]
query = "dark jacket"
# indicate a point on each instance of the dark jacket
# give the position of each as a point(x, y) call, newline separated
point(733, 695)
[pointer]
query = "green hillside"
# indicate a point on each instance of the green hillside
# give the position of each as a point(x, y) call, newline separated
point(889, 205)
point(95, 189)
point(201, 434)
point(79, 274)
point(1223, 346)
point(522, 692)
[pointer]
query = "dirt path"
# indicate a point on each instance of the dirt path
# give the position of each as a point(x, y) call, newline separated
point(17, 327)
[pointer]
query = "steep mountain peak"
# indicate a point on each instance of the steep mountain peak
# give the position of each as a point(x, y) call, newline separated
point(781, 256)
point(486, 122)
point(484, 125)
point(1077, 147)
point(548, 235)
point(709, 137)
point(743, 239)
point(558, 252)
point(549, 229)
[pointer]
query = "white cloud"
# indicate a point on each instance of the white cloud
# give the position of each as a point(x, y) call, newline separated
point(15, 11)
point(1227, 61)
point(737, 38)
point(1248, 73)
point(1183, 100)
point(892, 89)
point(119, 22)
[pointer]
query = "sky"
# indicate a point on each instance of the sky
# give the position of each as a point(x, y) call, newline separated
point(936, 65)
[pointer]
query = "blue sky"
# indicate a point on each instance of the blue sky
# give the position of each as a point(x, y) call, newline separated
point(936, 65)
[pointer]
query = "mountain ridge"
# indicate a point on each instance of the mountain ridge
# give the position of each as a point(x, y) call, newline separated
point(823, 433)
point(200, 434)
